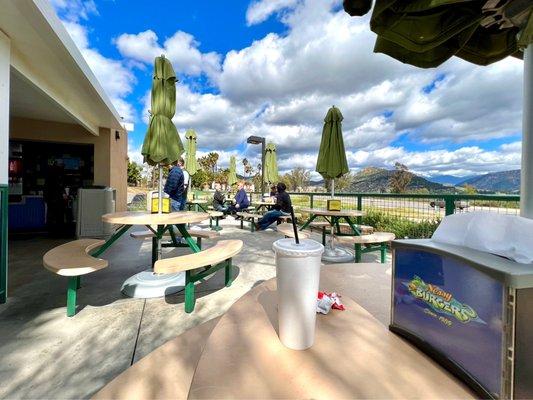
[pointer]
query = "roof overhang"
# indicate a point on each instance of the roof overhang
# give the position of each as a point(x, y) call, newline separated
point(47, 67)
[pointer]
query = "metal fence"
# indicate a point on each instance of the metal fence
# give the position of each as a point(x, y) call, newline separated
point(414, 207)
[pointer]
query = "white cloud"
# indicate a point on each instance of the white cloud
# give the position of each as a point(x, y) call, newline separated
point(75, 10)
point(281, 86)
point(181, 49)
point(114, 76)
point(259, 10)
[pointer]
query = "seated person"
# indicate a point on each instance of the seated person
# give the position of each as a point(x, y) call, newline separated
point(282, 207)
point(241, 200)
point(219, 199)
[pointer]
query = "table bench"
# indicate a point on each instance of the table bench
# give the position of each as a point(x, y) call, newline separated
point(216, 257)
point(288, 231)
point(73, 260)
point(287, 218)
point(325, 228)
point(374, 242)
point(197, 233)
point(215, 215)
point(248, 217)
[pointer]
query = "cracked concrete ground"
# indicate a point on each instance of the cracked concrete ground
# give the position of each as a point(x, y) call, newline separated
point(44, 354)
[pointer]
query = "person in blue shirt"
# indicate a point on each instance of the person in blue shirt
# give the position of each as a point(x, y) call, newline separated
point(174, 187)
point(242, 202)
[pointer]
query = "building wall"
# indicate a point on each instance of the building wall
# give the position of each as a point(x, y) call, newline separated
point(110, 154)
point(5, 57)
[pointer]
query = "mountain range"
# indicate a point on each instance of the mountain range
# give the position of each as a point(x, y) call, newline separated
point(377, 180)
point(504, 181)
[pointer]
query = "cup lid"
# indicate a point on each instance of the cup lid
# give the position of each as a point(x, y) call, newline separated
point(306, 248)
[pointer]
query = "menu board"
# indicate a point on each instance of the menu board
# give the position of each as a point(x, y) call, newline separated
point(455, 309)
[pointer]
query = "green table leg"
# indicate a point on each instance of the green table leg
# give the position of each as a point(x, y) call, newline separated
point(383, 253)
point(306, 224)
point(228, 274)
point(111, 240)
point(72, 288)
point(189, 293)
point(358, 253)
point(188, 238)
point(217, 227)
point(352, 225)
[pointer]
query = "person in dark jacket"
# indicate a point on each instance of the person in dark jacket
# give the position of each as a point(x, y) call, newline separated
point(242, 202)
point(282, 207)
point(174, 187)
point(219, 199)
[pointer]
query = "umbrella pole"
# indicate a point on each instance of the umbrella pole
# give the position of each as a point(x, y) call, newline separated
point(160, 209)
point(526, 187)
point(332, 236)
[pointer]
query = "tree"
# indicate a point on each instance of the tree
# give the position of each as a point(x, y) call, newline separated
point(248, 169)
point(400, 179)
point(298, 178)
point(209, 162)
point(201, 178)
point(342, 184)
point(134, 173)
point(469, 189)
point(221, 176)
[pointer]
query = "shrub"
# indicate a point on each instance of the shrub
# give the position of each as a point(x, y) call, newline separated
point(401, 227)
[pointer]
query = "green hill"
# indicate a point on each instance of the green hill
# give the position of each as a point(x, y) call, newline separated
point(377, 180)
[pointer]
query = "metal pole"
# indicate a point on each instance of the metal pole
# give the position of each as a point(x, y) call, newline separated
point(526, 175)
point(263, 149)
point(160, 210)
point(332, 188)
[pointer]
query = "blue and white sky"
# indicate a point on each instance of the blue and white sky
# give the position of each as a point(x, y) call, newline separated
point(273, 68)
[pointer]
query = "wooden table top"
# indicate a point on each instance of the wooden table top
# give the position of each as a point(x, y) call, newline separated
point(197, 201)
point(326, 213)
point(147, 218)
point(263, 203)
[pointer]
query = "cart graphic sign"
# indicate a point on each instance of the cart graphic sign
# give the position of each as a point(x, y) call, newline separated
point(441, 301)
point(455, 309)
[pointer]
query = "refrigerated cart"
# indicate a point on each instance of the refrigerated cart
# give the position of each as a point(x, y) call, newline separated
point(469, 310)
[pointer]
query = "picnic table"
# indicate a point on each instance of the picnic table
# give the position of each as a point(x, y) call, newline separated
point(267, 205)
point(334, 218)
point(147, 284)
point(198, 205)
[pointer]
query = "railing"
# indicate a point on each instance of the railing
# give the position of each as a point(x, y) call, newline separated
point(406, 215)
point(414, 207)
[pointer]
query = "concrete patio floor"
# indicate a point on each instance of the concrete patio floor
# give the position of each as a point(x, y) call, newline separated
point(44, 354)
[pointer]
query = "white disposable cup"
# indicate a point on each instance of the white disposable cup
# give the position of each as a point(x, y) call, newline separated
point(298, 276)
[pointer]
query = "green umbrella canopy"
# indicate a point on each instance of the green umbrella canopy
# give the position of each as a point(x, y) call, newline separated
point(271, 164)
point(331, 161)
point(232, 176)
point(162, 144)
point(191, 164)
point(425, 33)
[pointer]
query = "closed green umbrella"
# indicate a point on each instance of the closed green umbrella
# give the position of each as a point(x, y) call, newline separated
point(271, 164)
point(232, 176)
point(191, 164)
point(162, 144)
point(332, 161)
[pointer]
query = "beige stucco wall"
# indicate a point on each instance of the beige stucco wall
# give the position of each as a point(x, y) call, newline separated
point(110, 154)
